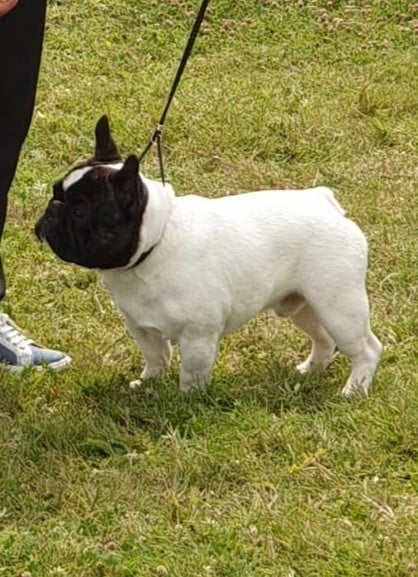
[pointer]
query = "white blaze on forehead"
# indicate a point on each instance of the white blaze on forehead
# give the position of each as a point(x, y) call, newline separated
point(78, 173)
point(75, 176)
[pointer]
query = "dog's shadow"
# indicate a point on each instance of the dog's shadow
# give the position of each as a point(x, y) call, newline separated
point(158, 406)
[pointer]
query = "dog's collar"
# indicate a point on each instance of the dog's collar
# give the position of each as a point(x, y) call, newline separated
point(141, 258)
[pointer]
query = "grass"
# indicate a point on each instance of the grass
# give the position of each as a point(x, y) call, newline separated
point(265, 473)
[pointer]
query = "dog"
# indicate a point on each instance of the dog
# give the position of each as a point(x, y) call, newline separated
point(189, 270)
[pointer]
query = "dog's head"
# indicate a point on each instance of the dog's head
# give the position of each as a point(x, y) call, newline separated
point(94, 216)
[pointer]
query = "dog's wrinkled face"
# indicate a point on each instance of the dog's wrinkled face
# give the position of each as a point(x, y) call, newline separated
point(95, 214)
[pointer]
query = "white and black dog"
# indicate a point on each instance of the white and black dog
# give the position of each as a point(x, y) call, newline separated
point(189, 270)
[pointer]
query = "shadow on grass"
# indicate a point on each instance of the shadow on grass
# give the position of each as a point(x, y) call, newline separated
point(93, 414)
point(159, 406)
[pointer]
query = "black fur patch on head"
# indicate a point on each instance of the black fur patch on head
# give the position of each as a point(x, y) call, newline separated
point(96, 222)
point(94, 219)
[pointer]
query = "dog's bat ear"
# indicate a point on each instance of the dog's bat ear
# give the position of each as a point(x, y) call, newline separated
point(106, 148)
point(127, 176)
point(131, 166)
point(127, 183)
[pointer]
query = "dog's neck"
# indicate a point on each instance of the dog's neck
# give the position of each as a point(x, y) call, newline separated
point(159, 203)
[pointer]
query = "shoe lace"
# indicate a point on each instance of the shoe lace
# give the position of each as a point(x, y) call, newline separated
point(10, 332)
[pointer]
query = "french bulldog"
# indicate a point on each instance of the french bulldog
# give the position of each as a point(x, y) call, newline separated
point(189, 270)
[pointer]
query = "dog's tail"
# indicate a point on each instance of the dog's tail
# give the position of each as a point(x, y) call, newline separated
point(329, 195)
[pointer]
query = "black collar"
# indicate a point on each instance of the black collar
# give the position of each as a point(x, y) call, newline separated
point(141, 258)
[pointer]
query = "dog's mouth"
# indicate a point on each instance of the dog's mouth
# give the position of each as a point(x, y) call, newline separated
point(49, 219)
point(39, 231)
point(45, 231)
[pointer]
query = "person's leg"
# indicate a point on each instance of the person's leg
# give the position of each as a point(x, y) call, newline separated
point(21, 37)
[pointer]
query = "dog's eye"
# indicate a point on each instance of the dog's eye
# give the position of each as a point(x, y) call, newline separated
point(77, 211)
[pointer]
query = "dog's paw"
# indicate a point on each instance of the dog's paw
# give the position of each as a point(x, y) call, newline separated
point(348, 391)
point(133, 385)
point(353, 387)
point(313, 364)
point(304, 367)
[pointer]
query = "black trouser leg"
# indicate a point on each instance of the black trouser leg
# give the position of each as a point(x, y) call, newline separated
point(21, 36)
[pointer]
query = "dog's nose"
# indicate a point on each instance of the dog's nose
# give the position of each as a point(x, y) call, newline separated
point(51, 213)
point(54, 207)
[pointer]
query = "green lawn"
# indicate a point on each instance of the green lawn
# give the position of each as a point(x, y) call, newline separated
point(266, 473)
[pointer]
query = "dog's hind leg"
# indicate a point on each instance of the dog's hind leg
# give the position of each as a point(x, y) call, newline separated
point(296, 308)
point(365, 358)
point(345, 316)
point(323, 346)
point(156, 350)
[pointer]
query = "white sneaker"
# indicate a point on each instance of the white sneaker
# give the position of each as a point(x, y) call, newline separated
point(18, 352)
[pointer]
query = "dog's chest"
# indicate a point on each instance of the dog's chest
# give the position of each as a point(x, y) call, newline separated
point(140, 303)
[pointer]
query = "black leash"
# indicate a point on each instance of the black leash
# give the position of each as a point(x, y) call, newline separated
point(156, 137)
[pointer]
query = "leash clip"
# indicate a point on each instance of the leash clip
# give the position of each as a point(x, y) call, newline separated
point(156, 137)
point(157, 133)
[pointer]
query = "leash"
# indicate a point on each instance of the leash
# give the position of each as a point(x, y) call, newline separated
point(156, 137)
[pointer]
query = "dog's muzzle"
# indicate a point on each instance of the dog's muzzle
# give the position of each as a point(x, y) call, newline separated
point(51, 214)
point(39, 226)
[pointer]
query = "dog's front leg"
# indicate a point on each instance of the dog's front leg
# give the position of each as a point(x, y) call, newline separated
point(198, 356)
point(156, 350)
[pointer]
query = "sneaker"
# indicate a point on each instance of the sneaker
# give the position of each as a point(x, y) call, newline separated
point(18, 352)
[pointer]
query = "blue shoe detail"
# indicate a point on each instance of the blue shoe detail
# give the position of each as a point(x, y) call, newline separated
point(18, 352)
point(40, 355)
